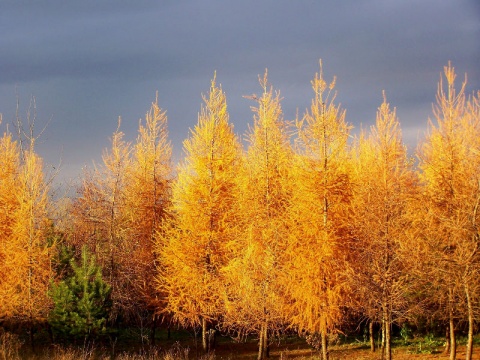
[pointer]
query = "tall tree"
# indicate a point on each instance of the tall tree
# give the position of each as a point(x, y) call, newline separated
point(254, 298)
point(147, 196)
point(385, 184)
point(100, 222)
point(319, 215)
point(25, 254)
point(450, 163)
point(9, 167)
point(195, 247)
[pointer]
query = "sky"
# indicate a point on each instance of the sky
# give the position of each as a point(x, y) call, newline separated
point(88, 62)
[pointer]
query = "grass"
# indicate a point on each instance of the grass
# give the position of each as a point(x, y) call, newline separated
point(182, 346)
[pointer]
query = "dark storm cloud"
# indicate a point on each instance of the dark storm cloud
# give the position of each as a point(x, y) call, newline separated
point(89, 61)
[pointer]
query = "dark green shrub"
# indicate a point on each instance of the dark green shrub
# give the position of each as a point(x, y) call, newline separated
point(81, 300)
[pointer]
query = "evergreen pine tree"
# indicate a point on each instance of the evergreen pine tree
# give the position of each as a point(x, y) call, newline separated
point(82, 300)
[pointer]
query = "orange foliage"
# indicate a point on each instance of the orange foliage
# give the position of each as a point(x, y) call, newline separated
point(385, 185)
point(254, 300)
point(25, 255)
point(194, 247)
point(450, 163)
point(318, 234)
point(147, 196)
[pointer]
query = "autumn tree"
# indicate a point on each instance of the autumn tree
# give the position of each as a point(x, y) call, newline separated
point(450, 163)
point(9, 167)
point(147, 196)
point(254, 297)
point(100, 222)
point(194, 245)
point(25, 254)
point(318, 234)
point(384, 187)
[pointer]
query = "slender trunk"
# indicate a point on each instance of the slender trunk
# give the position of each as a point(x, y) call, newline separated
point(266, 345)
point(324, 345)
point(383, 339)
point(451, 323)
point(453, 342)
point(262, 343)
point(447, 340)
point(388, 342)
point(204, 335)
point(386, 336)
point(372, 338)
point(470, 324)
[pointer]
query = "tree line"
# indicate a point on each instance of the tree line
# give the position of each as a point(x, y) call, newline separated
point(305, 229)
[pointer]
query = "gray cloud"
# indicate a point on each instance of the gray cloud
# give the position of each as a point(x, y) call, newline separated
point(89, 62)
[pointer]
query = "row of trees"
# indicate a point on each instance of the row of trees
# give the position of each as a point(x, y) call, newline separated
point(305, 229)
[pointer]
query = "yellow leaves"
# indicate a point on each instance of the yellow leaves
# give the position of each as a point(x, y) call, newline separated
point(24, 255)
point(450, 165)
point(203, 215)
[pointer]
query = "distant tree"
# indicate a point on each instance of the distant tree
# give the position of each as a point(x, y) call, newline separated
point(81, 300)
point(254, 302)
point(204, 219)
point(318, 235)
point(450, 163)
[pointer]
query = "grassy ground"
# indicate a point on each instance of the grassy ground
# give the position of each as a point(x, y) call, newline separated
point(182, 346)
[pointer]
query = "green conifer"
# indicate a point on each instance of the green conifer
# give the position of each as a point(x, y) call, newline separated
point(82, 300)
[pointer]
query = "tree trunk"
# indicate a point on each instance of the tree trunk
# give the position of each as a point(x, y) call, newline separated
point(263, 343)
point(386, 336)
point(447, 340)
point(453, 342)
point(204, 335)
point(383, 339)
point(324, 339)
point(372, 338)
point(260, 345)
point(388, 341)
point(470, 324)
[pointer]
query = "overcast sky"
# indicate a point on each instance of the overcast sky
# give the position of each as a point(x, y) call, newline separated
point(88, 62)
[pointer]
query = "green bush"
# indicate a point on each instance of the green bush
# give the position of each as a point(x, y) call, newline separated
point(429, 344)
point(406, 334)
point(81, 300)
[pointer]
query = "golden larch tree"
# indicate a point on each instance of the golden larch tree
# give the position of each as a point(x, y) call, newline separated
point(194, 246)
point(384, 187)
point(100, 222)
point(450, 173)
point(318, 217)
point(147, 196)
point(25, 254)
point(9, 171)
point(254, 298)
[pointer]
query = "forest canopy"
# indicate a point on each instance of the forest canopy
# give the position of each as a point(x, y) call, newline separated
point(303, 228)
